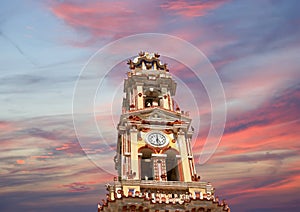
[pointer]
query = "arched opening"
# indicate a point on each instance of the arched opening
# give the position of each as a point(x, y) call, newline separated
point(172, 166)
point(146, 164)
point(152, 98)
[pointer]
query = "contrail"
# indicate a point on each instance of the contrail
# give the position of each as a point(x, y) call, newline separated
point(18, 48)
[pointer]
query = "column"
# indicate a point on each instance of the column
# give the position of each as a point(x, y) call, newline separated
point(159, 167)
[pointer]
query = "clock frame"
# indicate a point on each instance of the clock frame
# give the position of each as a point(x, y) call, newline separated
point(157, 139)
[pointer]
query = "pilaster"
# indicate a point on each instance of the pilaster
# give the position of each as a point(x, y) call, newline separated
point(140, 96)
point(184, 159)
point(134, 153)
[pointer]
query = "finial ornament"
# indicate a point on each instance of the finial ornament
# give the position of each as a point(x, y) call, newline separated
point(130, 63)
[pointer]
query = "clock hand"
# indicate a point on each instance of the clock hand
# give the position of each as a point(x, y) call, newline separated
point(160, 140)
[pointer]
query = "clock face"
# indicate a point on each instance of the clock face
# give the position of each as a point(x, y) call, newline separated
point(157, 139)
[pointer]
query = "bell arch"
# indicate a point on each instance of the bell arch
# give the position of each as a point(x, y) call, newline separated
point(146, 163)
point(152, 98)
point(172, 165)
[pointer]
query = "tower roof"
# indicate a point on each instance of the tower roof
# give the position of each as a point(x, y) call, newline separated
point(147, 61)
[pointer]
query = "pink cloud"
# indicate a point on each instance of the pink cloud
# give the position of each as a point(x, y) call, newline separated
point(288, 184)
point(101, 18)
point(261, 138)
point(254, 80)
point(190, 10)
point(257, 162)
point(106, 19)
point(262, 129)
point(6, 127)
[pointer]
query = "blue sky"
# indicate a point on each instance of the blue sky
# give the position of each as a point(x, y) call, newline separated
point(253, 45)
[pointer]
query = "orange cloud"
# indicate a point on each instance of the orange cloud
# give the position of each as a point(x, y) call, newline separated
point(63, 147)
point(20, 162)
point(195, 9)
point(70, 147)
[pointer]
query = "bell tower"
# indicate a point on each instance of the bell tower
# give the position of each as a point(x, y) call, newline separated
point(154, 159)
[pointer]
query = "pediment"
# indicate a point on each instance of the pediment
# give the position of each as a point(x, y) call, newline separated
point(155, 115)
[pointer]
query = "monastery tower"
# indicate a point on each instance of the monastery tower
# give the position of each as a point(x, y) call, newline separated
point(154, 158)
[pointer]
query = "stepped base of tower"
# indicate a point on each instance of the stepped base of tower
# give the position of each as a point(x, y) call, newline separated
point(171, 196)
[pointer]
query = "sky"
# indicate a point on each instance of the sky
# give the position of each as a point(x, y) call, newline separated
point(254, 46)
